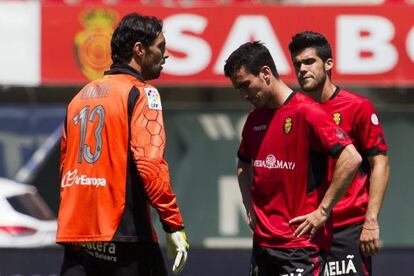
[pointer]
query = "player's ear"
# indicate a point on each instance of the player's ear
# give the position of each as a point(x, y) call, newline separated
point(266, 73)
point(329, 63)
point(139, 49)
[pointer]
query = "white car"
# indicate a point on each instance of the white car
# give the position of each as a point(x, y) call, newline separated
point(26, 221)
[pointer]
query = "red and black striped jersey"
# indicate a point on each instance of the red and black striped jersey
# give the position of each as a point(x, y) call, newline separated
point(288, 149)
point(358, 118)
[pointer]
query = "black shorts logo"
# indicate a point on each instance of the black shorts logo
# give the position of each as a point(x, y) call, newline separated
point(341, 267)
point(101, 250)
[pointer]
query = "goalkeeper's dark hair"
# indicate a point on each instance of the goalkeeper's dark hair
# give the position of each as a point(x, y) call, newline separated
point(252, 56)
point(133, 28)
point(309, 39)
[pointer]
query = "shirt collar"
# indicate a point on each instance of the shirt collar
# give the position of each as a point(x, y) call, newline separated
point(118, 68)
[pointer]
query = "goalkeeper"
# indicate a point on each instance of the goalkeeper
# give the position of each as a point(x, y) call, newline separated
point(112, 166)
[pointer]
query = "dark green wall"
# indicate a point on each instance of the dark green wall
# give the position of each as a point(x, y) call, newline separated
point(201, 150)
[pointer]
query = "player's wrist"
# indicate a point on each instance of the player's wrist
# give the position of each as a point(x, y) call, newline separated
point(371, 219)
point(370, 223)
point(325, 211)
point(370, 228)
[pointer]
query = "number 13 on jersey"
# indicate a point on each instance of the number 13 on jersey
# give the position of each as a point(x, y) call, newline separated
point(85, 119)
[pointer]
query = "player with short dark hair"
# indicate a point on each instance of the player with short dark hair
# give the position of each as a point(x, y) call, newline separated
point(112, 165)
point(281, 169)
point(356, 235)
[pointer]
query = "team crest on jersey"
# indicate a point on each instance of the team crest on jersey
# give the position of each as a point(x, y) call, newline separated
point(287, 127)
point(337, 117)
point(154, 99)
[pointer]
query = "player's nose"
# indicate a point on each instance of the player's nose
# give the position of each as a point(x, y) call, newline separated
point(303, 69)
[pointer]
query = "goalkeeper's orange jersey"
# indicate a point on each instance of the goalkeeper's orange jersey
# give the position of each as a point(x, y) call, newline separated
point(112, 165)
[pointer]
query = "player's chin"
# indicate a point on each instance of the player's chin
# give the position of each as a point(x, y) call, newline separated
point(256, 104)
point(158, 71)
point(308, 87)
point(306, 83)
point(153, 75)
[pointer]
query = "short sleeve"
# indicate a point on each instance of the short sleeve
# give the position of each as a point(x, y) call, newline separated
point(324, 134)
point(368, 131)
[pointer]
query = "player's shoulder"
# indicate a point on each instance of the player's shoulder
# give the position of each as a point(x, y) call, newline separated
point(299, 97)
point(94, 89)
point(255, 113)
point(352, 96)
point(304, 102)
point(258, 114)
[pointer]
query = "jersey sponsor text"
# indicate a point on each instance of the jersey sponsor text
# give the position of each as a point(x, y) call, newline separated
point(72, 177)
point(272, 163)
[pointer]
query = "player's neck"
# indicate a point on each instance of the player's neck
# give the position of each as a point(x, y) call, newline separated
point(134, 64)
point(327, 91)
point(324, 92)
point(280, 92)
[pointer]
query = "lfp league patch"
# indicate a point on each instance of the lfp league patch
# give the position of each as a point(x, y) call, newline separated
point(154, 99)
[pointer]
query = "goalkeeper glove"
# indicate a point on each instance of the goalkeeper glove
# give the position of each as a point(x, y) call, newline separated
point(177, 247)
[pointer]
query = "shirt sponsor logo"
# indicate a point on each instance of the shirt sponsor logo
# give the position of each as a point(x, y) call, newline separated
point(154, 99)
point(259, 128)
point(72, 177)
point(341, 267)
point(287, 127)
point(374, 119)
point(272, 163)
point(337, 117)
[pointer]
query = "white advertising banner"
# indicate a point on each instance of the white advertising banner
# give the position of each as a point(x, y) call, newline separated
point(20, 43)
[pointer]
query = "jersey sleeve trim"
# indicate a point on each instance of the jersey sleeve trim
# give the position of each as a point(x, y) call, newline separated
point(373, 151)
point(336, 150)
point(169, 229)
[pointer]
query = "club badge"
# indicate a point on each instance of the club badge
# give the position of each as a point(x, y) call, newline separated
point(337, 117)
point(288, 125)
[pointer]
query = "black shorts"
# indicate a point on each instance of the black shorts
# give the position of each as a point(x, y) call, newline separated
point(345, 257)
point(286, 261)
point(113, 258)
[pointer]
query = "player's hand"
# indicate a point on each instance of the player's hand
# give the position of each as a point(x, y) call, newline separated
point(369, 239)
point(310, 223)
point(177, 247)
